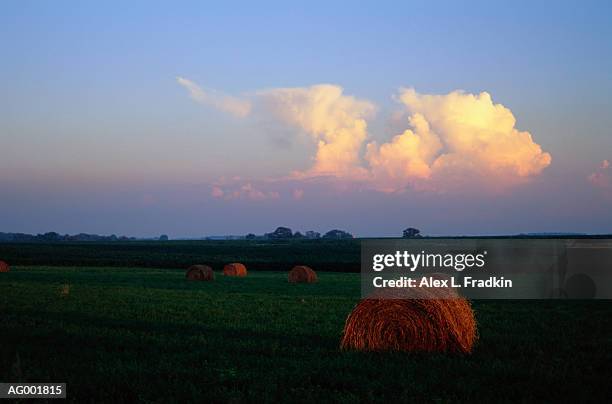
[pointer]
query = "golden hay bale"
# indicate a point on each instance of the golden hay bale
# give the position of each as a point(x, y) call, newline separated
point(4, 267)
point(235, 269)
point(302, 274)
point(417, 320)
point(200, 273)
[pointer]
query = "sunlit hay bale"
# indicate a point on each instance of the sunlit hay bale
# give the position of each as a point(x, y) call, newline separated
point(235, 269)
point(4, 267)
point(415, 320)
point(302, 274)
point(200, 273)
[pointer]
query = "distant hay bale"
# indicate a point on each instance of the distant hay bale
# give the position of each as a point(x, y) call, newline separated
point(200, 273)
point(302, 274)
point(64, 290)
point(417, 320)
point(4, 267)
point(235, 269)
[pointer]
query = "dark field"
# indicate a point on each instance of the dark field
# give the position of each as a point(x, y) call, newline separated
point(324, 255)
point(134, 334)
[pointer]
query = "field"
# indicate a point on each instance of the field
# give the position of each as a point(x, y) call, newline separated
point(128, 333)
point(325, 255)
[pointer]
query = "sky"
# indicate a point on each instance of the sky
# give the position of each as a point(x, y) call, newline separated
point(193, 119)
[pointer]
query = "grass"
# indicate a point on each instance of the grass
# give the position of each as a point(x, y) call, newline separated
point(133, 334)
point(336, 255)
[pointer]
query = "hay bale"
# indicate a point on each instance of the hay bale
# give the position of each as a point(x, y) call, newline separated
point(64, 290)
point(235, 269)
point(416, 320)
point(200, 273)
point(4, 267)
point(302, 274)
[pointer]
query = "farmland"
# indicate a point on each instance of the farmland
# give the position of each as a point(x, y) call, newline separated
point(146, 334)
point(325, 255)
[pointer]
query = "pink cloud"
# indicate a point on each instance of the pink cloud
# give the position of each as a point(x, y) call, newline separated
point(217, 192)
point(298, 194)
point(234, 190)
point(602, 177)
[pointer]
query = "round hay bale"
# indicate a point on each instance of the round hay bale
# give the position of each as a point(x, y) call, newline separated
point(235, 269)
point(4, 267)
point(200, 273)
point(302, 274)
point(414, 320)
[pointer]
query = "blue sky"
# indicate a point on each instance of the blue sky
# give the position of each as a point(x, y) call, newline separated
point(90, 106)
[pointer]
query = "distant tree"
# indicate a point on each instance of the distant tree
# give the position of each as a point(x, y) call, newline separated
point(250, 236)
point(280, 233)
point(411, 232)
point(163, 237)
point(50, 236)
point(297, 234)
point(337, 235)
point(313, 234)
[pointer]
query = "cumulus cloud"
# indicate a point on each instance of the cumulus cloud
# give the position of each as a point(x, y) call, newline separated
point(336, 122)
point(449, 140)
point(455, 137)
point(224, 102)
point(602, 177)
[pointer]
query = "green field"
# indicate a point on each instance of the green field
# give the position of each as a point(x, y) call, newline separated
point(126, 334)
point(278, 255)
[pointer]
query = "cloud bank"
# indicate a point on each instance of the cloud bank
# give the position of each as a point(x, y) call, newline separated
point(450, 140)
